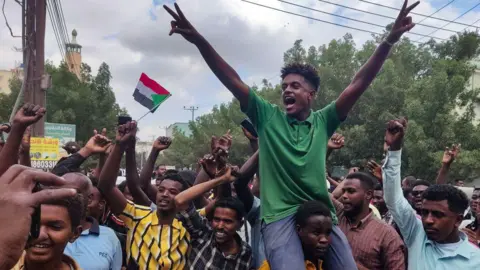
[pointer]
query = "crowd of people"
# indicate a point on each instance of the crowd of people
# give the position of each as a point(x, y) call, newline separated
point(281, 209)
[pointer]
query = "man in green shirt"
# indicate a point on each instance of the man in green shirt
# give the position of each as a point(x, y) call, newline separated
point(293, 142)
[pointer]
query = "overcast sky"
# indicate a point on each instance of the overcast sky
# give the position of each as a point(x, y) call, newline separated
point(132, 37)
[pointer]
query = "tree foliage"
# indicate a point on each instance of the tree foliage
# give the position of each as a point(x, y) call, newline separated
point(88, 103)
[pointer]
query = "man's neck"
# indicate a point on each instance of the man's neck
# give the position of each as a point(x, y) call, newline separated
point(53, 264)
point(383, 211)
point(356, 218)
point(86, 225)
point(302, 116)
point(165, 218)
point(230, 247)
point(454, 237)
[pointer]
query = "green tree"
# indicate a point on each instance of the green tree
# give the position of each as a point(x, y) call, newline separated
point(88, 103)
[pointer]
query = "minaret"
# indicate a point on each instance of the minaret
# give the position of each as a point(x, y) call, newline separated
point(74, 55)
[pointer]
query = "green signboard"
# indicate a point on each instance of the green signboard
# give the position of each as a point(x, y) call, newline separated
point(63, 132)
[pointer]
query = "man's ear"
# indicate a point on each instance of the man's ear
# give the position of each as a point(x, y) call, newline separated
point(369, 194)
point(76, 233)
point(458, 220)
point(101, 205)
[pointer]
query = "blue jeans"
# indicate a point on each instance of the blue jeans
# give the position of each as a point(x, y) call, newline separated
point(283, 248)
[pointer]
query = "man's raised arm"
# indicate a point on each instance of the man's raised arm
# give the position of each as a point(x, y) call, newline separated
point(224, 72)
point(402, 212)
point(108, 176)
point(368, 72)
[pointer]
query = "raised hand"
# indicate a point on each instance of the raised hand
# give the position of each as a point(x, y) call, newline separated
point(28, 115)
point(209, 165)
point(180, 25)
point(403, 23)
point(126, 133)
point(98, 144)
point(17, 203)
point(395, 133)
point(162, 143)
point(337, 141)
point(450, 154)
point(375, 169)
point(103, 133)
point(227, 174)
point(220, 147)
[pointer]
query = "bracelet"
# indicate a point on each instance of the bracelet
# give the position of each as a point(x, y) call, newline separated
point(388, 43)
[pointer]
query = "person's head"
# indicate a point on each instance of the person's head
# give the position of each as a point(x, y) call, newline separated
point(189, 176)
point(171, 184)
point(407, 194)
point(357, 193)
point(475, 202)
point(417, 190)
point(124, 189)
point(160, 170)
point(378, 200)
point(300, 83)
point(459, 182)
point(82, 184)
point(59, 224)
point(71, 147)
point(96, 202)
point(442, 212)
point(314, 225)
point(226, 218)
point(408, 182)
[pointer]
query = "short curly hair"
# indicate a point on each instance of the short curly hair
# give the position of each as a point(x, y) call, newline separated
point(174, 176)
point(308, 71)
point(457, 200)
point(420, 182)
point(311, 208)
point(75, 207)
point(230, 203)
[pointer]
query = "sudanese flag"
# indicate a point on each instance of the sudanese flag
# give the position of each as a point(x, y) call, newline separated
point(149, 93)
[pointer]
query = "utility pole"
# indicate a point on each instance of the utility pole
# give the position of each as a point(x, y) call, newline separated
point(34, 53)
point(192, 109)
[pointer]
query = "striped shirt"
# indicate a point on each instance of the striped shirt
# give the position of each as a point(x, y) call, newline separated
point(154, 246)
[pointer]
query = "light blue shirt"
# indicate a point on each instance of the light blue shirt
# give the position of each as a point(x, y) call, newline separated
point(96, 249)
point(423, 254)
point(258, 248)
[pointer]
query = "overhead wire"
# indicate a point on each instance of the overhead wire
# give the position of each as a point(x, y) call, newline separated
point(351, 19)
point(472, 25)
point(461, 15)
point(55, 30)
point(380, 15)
point(438, 10)
point(59, 16)
point(419, 14)
point(311, 18)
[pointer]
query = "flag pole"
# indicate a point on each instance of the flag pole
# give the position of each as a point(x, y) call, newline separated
point(153, 109)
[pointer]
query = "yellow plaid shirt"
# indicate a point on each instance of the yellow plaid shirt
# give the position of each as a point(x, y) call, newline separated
point(151, 245)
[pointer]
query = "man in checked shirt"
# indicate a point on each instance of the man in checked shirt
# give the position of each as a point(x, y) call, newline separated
point(215, 245)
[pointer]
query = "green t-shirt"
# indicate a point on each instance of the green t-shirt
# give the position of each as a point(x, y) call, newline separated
point(292, 157)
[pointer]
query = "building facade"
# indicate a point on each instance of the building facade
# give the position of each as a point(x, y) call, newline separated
point(182, 127)
point(7, 75)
